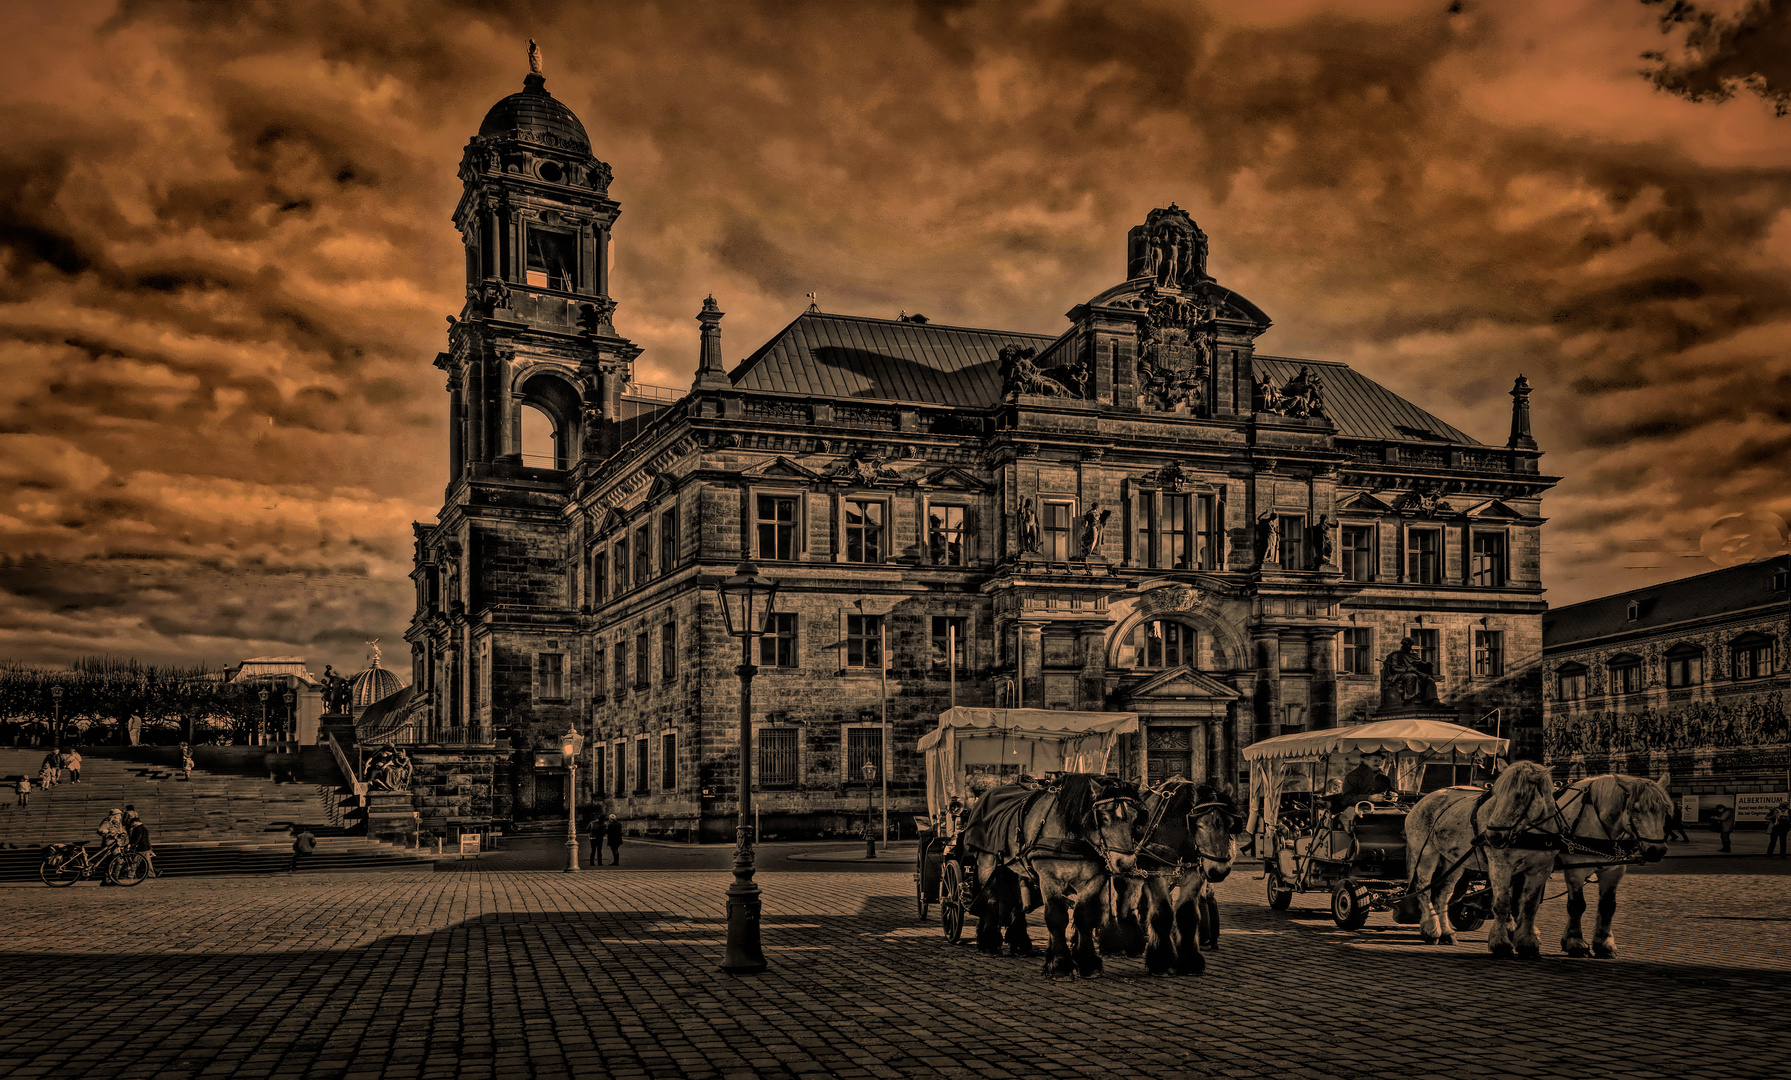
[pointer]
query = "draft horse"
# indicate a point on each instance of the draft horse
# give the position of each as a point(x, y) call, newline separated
point(1450, 831)
point(1058, 847)
point(1184, 846)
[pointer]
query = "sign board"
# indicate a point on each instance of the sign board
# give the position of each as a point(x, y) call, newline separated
point(469, 844)
point(1753, 806)
point(1688, 809)
point(550, 761)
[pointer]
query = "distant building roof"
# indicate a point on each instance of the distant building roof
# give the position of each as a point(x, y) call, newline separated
point(273, 667)
point(850, 356)
point(1719, 592)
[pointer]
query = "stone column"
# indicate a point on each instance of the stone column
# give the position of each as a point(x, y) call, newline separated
point(1321, 648)
point(456, 431)
point(1032, 661)
point(1267, 646)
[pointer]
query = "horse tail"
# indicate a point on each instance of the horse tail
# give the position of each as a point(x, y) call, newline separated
point(1075, 801)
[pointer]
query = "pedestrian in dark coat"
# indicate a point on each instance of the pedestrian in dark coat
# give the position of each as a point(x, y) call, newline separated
point(598, 831)
point(302, 847)
point(1725, 824)
point(1778, 826)
point(612, 834)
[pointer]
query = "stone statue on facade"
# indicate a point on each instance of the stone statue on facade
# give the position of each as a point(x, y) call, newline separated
point(1300, 397)
point(1268, 537)
point(1169, 249)
point(1324, 546)
point(1407, 680)
point(335, 691)
point(1019, 375)
point(1029, 528)
point(1094, 526)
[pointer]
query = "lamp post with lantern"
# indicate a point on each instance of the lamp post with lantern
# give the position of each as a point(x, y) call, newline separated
point(746, 600)
point(572, 744)
point(292, 719)
point(56, 728)
point(261, 732)
point(870, 780)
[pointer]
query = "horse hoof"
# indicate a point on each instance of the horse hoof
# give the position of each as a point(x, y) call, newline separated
point(1446, 939)
point(1529, 952)
point(1576, 951)
point(1604, 952)
point(1210, 946)
point(1022, 950)
point(1500, 949)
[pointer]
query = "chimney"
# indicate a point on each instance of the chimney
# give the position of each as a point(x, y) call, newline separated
point(1521, 438)
point(710, 374)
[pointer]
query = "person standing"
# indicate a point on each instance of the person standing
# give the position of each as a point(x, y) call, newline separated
point(23, 787)
point(598, 832)
point(1778, 826)
point(74, 766)
point(1676, 826)
point(186, 762)
point(612, 834)
point(1725, 824)
point(137, 838)
point(302, 846)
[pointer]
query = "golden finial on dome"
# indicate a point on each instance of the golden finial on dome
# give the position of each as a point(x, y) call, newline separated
point(535, 58)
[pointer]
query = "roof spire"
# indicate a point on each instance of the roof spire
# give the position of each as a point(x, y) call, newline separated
point(1521, 439)
point(710, 373)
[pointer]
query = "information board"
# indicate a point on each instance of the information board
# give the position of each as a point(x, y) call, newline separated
point(1688, 809)
point(1753, 805)
point(469, 843)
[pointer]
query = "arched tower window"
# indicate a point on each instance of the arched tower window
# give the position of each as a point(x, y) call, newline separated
point(547, 423)
point(1156, 645)
point(540, 439)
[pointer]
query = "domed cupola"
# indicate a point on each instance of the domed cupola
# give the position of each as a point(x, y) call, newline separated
point(372, 684)
point(535, 115)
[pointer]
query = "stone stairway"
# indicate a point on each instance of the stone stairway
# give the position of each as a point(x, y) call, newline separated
point(211, 823)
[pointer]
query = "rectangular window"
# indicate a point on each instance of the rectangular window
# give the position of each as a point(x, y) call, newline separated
point(1489, 652)
point(864, 641)
point(668, 653)
point(864, 745)
point(1753, 660)
point(599, 673)
point(777, 645)
point(668, 761)
point(1572, 686)
point(777, 757)
point(945, 535)
point(1428, 645)
point(776, 518)
point(621, 787)
point(1206, 533)
point(1489, 560)
point(1145, 528)
point(599, 576)
point(1685, 669)
point(642, 678)
point(1167, 644)
point(668, 540)
point(1424, 556)
point(1177, 530)
point(949, 632)
point(643, 554)
point(864, 530)
point(621, 566)
point(1056, 529)
point(551, 259)
point(621, 669)
point(599, 770)
point(1626, 679)
point(552, 667)
point(1293, 542)
point(640, 766)
point(1358, 553)
point(1358, 650)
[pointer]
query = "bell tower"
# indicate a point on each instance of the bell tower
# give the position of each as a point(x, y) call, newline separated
point(536, 332)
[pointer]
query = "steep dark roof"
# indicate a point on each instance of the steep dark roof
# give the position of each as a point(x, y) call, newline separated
point(845, 356)
point(1364, 409)
point(1734, 588)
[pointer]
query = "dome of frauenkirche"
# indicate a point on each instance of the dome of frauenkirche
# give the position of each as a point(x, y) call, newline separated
point(534, 111)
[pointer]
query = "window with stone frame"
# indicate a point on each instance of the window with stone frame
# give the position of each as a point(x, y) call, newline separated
point(642, 676)
point(643, 554)
point(864, 526)
point(552, 258)
point(1205, 555)
point(1144, 529)
point(1358, 650)
point(1489, 566)
point(600, 786)
point(1293, 541)
point(599, 575)
point(642, 764)
point(1750, 657)
point(550, 670)
point(777, 645)
point(621, 564)
point(1359, 555)
point(949, 633)
point(1570, 682)
point(668, 540)
point(864, 745)
point(599, 674)
point(1424, 556)
point(1489, 653)
point(1685, 666)
point(668, 651)
point(1626, 674)
point(946, 535)
point(1157, 644)
point(1056, 524)
point(668, 761)
point(864, 641)
point(1177, 549)
point(621, 766)
point(778, 757)
point(621, 669)
point(775, 522)
point(1427, 645)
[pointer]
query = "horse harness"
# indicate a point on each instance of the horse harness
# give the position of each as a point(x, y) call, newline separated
point(1148, 848)
point(1565, 841)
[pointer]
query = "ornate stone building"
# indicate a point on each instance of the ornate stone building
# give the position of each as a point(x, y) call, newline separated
point(1684, 682)
point(1142, 512)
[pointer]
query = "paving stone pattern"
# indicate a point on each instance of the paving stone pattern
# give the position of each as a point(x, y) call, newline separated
point(524, 974)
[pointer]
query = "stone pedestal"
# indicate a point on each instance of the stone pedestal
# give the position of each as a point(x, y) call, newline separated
point(390, 815)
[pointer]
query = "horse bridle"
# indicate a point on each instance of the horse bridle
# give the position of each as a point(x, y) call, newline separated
point(1194, 811)
point(1574, 844)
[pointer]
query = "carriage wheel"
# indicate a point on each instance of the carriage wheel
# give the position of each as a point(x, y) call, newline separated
point(1279, 898)
point(128, 869)
point(60, 870)
point(951, 902)
point(1467, 908)
point(1349, 906)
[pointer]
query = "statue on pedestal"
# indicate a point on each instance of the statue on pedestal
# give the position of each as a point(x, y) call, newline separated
point(1029, 528)
point(1407, 680)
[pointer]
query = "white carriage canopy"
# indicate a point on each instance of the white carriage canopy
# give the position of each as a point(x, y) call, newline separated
point(1305, 761)
point(1036, 740)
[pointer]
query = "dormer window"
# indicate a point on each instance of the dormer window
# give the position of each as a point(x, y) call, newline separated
point(551, 259)
point(1635, 610)
point(1781, 579)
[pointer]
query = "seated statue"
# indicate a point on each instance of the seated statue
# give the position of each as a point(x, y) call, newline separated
point(1407, 680)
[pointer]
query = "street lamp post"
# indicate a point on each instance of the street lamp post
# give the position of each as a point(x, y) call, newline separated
point(870, 779)
point(261, 732)
point(572, 744)
point(292, 718)
point(56, 728)
point(746, 601)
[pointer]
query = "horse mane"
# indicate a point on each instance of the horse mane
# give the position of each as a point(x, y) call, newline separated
point(1076, 799)
point(1647, 797)
point(1521, 782)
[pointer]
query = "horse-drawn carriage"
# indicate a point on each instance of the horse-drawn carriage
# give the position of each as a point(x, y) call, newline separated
point(986, 747)
point(1325, 818)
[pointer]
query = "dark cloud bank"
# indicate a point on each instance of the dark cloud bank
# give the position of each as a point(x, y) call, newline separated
point(225, 254)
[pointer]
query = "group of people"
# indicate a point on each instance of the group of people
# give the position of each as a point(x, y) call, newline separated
point(1778, 826)
point(606, 830)
point(123, 830)
point(49, 774)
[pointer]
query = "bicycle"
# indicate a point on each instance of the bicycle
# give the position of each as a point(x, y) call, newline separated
point(65, 864)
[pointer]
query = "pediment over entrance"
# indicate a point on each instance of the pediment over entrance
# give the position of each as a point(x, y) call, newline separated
point(780, 468)
point(1180, 684)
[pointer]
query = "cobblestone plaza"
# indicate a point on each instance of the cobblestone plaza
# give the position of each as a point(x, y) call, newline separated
point(612, 973)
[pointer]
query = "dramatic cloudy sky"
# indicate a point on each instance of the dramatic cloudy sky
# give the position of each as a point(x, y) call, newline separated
point(225, 253)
